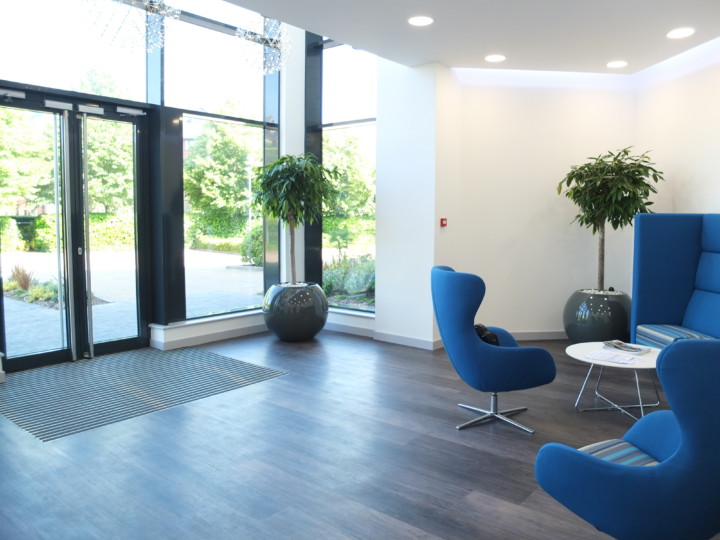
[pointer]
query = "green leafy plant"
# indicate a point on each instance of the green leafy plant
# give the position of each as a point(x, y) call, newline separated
point(252, 248)
point(294, 189)
point(10, 239)
point(610, 188)
point(350, 282)
point(46, 292)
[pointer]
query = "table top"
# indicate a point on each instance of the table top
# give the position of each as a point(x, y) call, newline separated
point(578, 351)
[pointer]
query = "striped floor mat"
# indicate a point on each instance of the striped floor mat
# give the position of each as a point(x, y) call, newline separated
point(63, 399)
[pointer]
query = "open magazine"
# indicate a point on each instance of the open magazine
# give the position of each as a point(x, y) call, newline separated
point(628, 348)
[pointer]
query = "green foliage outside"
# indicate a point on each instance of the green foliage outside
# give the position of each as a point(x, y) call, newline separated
point(350, 282)
point(44, 293)
point(217, 179)
point(110, 166)
point(349, 226)
point(354, 207)
point(112, 232)
point(26, 161)
point(230, 245)
point(10, 239)
point(107, 232)
point(252, 247)
point(217, 176)
point(41, 234)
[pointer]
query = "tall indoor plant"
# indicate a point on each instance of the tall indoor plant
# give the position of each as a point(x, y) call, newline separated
point(608, 189)
point(295, 189)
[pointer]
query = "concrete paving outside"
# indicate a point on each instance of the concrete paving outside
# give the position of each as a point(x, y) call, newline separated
point(215, 282)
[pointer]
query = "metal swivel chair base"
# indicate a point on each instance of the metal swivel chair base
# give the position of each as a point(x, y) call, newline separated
point(493, 414)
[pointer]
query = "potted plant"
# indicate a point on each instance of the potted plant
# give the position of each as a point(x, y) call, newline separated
point(608, 189)
point(294, 189)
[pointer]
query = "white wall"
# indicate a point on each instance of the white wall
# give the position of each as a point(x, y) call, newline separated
point(679, 118)
point(490, 147)
point(405, 210)
point(514, 230)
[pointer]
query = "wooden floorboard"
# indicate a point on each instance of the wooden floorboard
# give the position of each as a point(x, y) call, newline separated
point(357, 441)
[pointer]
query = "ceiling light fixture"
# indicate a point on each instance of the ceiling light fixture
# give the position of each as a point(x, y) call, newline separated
point(617, 64)
point(495, 58)
point(420, 20)
point(679, 33)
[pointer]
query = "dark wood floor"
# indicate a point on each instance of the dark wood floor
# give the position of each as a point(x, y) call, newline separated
point(357, 441)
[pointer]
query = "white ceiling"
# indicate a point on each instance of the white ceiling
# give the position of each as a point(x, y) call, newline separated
point(550, 35)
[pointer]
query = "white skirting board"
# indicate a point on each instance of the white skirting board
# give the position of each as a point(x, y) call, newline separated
point(200, 331)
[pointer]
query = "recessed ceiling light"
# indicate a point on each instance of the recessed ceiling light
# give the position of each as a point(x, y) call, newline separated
point(494, 58)
point(616, 64)
point(679, 33)
point(420, 20)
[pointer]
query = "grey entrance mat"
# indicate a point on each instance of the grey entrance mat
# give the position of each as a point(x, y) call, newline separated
point(62, 399)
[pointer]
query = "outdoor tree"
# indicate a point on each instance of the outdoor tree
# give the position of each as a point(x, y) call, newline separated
point(217, 179)
point(26, 173)
point(110, 165)
point(354, 210)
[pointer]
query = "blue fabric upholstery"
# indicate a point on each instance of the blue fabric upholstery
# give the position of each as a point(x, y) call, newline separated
point(485, 367)
point(679, 497)
point(659, 335)
point(676, 278)
point(619, 451)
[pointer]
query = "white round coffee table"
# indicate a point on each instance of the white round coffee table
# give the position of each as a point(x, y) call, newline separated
point(592, 353)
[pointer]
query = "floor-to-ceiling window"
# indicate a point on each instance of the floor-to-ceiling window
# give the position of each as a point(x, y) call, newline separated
point(223, 235)
point(348, 143)
point(82, 94)
point(223, 143)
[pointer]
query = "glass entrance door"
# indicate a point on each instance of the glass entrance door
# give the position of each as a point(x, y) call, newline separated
point(110, 244)
point(68, 234)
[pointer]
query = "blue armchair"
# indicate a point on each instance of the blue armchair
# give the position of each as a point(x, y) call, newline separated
point(676, 278)
point(661, 480)
point(485, 367)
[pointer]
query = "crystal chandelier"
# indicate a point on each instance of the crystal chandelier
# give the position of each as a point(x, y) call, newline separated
point(157, 13)
point(129, 24)
point(275, 41)
point(264, 44)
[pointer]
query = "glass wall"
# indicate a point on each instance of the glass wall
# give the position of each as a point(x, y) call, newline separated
point(349, 109)
point(59, 45)
point(199, 77)
point(223, 237)
point(213, 79)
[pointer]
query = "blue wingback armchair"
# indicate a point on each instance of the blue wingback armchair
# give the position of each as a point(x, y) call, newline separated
point(485, 367)
point(661, 480)
point(676, 278)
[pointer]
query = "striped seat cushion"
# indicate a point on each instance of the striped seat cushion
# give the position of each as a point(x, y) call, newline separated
point(619, 451)
point(659, 335)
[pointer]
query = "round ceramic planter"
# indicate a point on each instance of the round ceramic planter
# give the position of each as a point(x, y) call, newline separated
point(592, 315)
point(295, 312)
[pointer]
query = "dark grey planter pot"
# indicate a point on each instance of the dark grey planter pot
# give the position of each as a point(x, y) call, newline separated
point(295, 312)
point(592, 315)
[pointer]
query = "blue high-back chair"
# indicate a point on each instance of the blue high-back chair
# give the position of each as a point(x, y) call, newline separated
point(676, 278)
point(483, 366)
point(661, 480)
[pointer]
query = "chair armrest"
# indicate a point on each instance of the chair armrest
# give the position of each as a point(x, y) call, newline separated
point(598, 491)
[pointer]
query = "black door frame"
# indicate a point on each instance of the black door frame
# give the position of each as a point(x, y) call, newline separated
point(137, 116)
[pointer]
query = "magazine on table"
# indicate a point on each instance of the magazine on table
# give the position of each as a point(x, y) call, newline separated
point(628, 348)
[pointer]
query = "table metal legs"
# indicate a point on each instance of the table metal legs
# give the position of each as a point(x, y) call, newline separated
point(612, 405)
